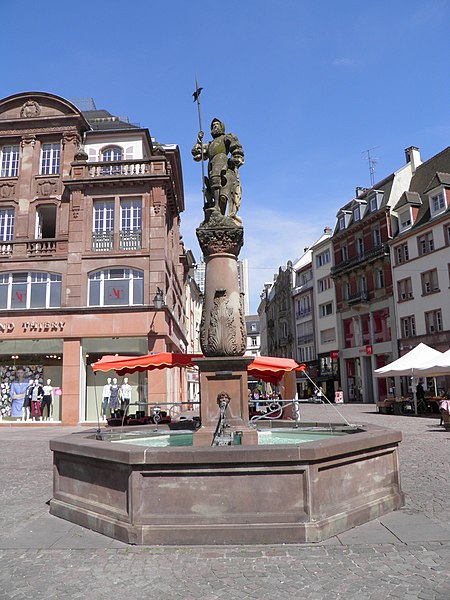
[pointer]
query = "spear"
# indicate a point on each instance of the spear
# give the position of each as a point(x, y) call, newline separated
point(196, 96)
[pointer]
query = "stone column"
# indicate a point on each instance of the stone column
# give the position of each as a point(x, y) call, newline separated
point(70, 406)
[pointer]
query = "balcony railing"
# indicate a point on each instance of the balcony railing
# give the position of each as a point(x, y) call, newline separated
point(303, 313)
point(102, 242)
point(359, 298)
point(120, 168)
point(130, 240)
point(305, 339)
point(367, 256)
point(34, 248)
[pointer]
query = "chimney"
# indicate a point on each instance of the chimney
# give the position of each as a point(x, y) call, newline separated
point(360, 191)
point(412, 155)
point(327, 231)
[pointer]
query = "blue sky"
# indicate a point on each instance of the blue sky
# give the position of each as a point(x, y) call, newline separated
point(306, 85)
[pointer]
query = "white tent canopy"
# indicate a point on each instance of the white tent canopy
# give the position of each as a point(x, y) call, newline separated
point(409, 363)
point(435, 366)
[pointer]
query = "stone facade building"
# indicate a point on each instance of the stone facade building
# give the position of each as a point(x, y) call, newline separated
point(91, 259)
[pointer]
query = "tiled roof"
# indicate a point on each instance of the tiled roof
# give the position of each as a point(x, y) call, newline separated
point(102, 120)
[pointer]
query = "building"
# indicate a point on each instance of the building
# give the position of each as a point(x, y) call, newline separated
point(325, 318)
point(194, 300)
point(278, 307)
point(363, 283)
point(91, 259)
point(252, 326)
point(242, 269)
point(420, 258)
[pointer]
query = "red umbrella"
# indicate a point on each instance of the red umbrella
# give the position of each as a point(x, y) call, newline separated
point(267, 368)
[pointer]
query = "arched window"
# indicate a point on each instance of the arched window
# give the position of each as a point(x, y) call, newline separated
point(116, 287)
point(19, 290)
point(112, 154)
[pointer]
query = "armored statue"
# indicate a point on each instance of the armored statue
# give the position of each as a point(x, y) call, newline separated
point(225, 155)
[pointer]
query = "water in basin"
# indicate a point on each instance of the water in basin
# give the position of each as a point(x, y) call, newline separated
point(184, 438)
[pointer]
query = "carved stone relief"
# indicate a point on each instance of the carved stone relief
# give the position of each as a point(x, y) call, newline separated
point(30, 109)
point(47, 188)
point(7, 190)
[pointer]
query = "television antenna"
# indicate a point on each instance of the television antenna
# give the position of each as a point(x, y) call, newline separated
point(372, 160)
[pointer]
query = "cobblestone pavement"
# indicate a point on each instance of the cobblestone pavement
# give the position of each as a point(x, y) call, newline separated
point(82, 564)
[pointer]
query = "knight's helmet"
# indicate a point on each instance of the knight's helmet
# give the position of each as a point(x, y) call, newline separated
point(221, 124)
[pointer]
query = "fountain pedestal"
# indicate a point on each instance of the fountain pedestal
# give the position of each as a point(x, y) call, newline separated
point(224, 374)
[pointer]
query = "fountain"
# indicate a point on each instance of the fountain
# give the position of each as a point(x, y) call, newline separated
point(222, 484)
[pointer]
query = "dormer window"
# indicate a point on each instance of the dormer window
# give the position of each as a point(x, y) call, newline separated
point(405, 219)
point(437, 204)
point(357, 213)
point(341, 223)
point(373, 204)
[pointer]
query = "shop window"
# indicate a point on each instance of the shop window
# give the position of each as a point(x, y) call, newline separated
point(30, 290)
point(116, 287)
point(10, 161)
point(6, 224)
point(50, 159)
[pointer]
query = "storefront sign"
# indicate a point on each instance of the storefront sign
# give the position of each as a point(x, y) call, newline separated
point(368, 350)
point(33, 327)
point(42, 326)
point(334, 354)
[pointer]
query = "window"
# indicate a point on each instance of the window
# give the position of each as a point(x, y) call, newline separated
point(306, 353)
point(346, 290)
point(46, 222)
point(341, 222)
point(103, 225)
point(304, 306)
point(324, 284)
point(112, 154)
point(362, 284)
point(360, 246)
point(381, 328)
point(357, 213)
point(425, 243)
point(130, 224)
point(405, 219)
point(328, 335)
point(116, 287)
point(401, 253)
point(379, 279)
point(405, 290)
point(10, 161)
point(6, 224)
point(373, 204)
point(344, 253)
point(50, 158)
point(30, 290)
point(430, 283)
point(376, 237)
point(433, 321)
point(326, 309)
point(305, 333)
point(447, 234)
point(437, 204)
point(408, 327)
point(323, 258)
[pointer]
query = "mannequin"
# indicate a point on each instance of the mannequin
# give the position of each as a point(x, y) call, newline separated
point(47, 399)
point(17, 393)
point(114, 400)
point(37, 394)
point(125, 394)
point(106, 396)
point(27, 402)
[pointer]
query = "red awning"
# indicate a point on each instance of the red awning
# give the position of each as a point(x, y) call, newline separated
point(267, 368)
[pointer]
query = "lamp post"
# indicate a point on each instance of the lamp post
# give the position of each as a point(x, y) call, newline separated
point(158, 300)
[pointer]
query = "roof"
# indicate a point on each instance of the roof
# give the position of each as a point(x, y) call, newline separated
point(437, 168)
point(102, 120)
point(411, 198)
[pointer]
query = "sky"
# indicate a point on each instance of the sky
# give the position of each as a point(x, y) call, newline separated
point(308, 86)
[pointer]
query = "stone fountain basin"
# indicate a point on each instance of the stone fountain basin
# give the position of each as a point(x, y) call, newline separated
point(226, 495)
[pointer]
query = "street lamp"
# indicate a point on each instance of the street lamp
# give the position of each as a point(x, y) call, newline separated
point(159, 298)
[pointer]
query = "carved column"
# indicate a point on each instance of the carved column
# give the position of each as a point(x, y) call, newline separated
point(222, 328)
